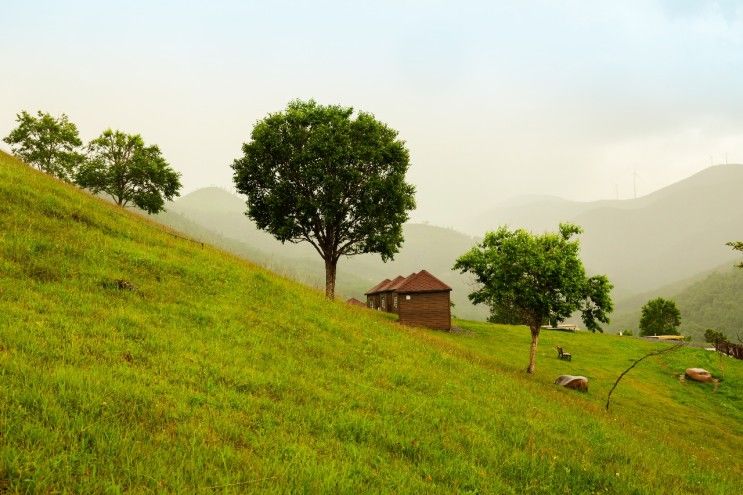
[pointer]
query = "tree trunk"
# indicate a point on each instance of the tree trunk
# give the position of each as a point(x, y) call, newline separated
point(330, 267)
point(533, 349)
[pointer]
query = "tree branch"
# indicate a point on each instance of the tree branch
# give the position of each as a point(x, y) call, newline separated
point(314, 245)
point(654, 353)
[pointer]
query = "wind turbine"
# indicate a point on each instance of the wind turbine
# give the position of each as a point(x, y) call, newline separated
point(634, 182)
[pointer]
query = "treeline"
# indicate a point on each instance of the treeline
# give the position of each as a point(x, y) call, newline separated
point(722, 343)
point(115, 163)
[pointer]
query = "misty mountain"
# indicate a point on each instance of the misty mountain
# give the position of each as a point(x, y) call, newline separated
point(217, 216)
point(641, 244)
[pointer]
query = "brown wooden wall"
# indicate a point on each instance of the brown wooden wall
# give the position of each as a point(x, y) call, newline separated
point(384, 301)
point(389, 301)
point(372, 301)
point(376, 301)
point(429, 309)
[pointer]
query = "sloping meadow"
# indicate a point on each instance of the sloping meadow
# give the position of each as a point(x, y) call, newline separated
point(132, 360)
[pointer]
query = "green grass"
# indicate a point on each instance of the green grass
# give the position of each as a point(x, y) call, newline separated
point(217, 376)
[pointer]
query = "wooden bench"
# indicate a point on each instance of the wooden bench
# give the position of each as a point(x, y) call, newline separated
point(561, 354)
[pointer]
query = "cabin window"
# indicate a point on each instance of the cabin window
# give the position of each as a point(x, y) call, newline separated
point(383, 302)
point(394, 301)
point(407, 298)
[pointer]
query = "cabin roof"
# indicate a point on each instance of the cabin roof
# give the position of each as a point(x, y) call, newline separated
point(355, 302)
point(421, 282)
point(378, 288)
point(394, 284)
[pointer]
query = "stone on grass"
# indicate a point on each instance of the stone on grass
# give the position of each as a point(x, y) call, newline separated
point(122, 284)
point(699, 375)
point(574, 382)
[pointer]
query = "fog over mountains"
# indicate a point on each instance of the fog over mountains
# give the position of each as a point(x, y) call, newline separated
point(648, 242)
point(643, 244)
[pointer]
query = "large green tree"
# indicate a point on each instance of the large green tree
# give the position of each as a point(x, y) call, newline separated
point(660, 317)
point(328, 176)
point(537, 279)
point(51, 144)
point(738, 246)
point(131, 172)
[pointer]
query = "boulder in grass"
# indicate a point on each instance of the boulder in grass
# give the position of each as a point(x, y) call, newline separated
point(122, 284)
point(699, 375)
point(574, 382)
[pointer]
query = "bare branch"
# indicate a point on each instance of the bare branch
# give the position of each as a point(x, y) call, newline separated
point(654, 353)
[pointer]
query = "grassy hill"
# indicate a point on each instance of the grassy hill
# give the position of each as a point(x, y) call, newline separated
point(205, 373)
point(709, 301)
point(216, 215)
point(304, 268)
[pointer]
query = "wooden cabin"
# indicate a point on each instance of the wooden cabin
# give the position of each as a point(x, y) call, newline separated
point(424, 300)
point(419, 299)
point(355, 302)
point(373, 295)
point(388, 296)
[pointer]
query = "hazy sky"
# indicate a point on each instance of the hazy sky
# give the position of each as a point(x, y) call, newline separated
point(495, 99)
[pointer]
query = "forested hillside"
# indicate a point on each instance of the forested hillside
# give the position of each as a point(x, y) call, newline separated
point(714, 301)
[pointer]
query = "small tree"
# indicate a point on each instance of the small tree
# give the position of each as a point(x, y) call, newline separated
point(123, 167)
point(660, 317)
point(738, 246)
point(48, 143)
point(329, 177)
point(714, 337)
point(536, 279)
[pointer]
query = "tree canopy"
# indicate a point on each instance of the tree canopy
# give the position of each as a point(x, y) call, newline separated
point(330, 177)
point(536, 279)
point(49, 143)
point(504, 315)
point(660, 317)
point(714, 336)
point(122, 166)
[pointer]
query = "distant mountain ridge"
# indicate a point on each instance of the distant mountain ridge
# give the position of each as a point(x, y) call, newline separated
point(644, 243)
point(539, 212)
